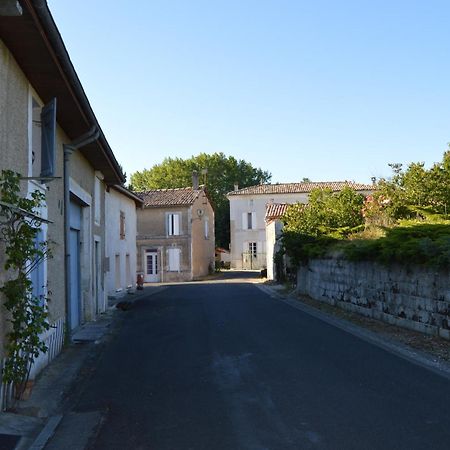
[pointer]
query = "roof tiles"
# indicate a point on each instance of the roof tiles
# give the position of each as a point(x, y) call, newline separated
point(295, 188)
point(169, 197)
point(275, 211)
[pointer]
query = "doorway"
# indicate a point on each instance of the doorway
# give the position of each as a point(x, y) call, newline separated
point(151, 266)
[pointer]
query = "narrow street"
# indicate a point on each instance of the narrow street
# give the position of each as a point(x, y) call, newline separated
point(221, 365)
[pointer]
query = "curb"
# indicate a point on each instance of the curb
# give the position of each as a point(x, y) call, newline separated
point(46, 433)
point(136, 295)
point(414, 356)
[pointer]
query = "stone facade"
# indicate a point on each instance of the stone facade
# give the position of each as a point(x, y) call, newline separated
point(415, 298)
point(196, 245)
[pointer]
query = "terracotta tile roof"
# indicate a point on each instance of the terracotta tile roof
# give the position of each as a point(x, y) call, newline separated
point(275, 211)
point(169, 197)
point(296, 188)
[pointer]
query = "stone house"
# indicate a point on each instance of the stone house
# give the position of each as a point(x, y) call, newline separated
point(248, 211)
point(175, 237)
point(120, 247)
point(50, 135)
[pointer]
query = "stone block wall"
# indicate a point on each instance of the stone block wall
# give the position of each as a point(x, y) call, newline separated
point(414, 298)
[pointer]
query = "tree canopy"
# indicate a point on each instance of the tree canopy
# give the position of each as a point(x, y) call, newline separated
point(309, 228)
point(217, 171)
point(416, 191)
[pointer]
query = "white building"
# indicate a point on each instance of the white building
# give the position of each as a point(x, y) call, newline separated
point(274, 226)
point(120, 250)
point(247, 216)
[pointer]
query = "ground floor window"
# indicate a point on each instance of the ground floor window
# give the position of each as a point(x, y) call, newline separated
point(174, 259)
point(253, 249)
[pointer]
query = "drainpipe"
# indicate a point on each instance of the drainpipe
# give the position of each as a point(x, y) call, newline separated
point(83, 140)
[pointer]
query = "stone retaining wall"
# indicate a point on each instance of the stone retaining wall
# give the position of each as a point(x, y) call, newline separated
point(418, 299)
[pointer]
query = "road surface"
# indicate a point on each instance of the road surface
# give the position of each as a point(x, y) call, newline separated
point(221, 365)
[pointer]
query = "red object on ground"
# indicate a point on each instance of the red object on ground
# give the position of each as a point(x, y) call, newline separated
point(140, 281)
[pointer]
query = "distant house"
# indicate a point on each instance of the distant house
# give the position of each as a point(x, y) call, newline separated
point(175, 237)
point(248, 212)
point(120, 248)
point(50, 135)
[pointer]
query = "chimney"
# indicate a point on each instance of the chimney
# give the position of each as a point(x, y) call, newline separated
point(236, 186)
point(195, 180)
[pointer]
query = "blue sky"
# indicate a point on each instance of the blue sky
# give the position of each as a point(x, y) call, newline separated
point(327, 90)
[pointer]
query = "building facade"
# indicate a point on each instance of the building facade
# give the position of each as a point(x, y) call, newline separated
point(120, 248)
point(50, 136)
point(175, 239)
point(248, 244)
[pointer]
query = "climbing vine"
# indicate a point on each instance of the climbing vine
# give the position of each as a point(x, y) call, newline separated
point(19, 227)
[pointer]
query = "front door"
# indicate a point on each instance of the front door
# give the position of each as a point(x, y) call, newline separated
point(74, 265)
point(75, 306)
point(151, 264)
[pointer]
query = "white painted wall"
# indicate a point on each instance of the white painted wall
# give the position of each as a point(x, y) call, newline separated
point(273, 232)
point(117, 249)
point(241, 204)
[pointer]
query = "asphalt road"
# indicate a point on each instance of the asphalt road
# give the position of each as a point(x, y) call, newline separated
point(223, 366)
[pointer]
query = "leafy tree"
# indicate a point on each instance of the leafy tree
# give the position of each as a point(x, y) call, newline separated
point(417, 191)
point(310, 228)
point(217, 171)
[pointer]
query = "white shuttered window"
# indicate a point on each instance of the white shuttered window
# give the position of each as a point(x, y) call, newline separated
point(174, 259)
point(173, 224)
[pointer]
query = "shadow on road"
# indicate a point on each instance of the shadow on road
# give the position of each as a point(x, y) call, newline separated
point(225, 276)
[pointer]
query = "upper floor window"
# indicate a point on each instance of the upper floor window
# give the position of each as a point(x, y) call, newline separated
point(249, 221)
point(122, 225)
point(42, 138)
point(173, 224)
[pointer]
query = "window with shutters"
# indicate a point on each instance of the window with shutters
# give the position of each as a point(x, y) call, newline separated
point(42, 138)
point(173, 224)
point(122, 225)
point(249, 221)
point(173, 259)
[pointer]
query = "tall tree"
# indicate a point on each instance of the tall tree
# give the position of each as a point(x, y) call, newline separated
point(217, 171)
point(417, 190)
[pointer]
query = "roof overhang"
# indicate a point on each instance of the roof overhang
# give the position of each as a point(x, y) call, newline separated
point(38, 48)
point(131, 195)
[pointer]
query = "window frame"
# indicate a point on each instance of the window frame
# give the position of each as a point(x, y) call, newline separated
point(173, 225)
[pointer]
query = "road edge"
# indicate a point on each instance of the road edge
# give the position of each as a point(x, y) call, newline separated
point(397, 348)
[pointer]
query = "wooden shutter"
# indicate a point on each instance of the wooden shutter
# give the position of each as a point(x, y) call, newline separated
point(176, 224)
point(206, 228)
point(254, 224)
point(122, 225)
point(174, 259)
point(244, 221)
point(48, 139)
